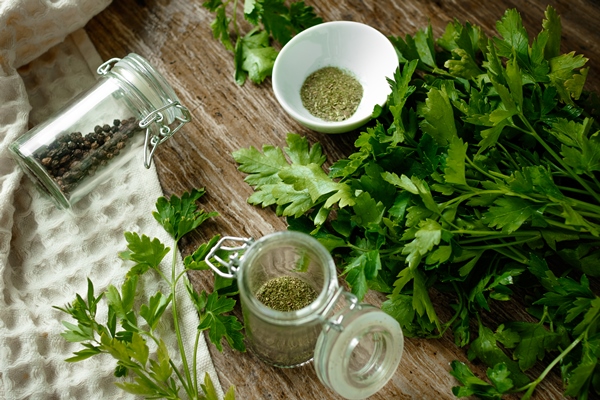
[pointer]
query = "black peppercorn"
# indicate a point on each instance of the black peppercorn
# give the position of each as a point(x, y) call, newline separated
point(73, 156)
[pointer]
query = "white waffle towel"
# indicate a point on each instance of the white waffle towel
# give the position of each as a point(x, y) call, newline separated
point(46, 254)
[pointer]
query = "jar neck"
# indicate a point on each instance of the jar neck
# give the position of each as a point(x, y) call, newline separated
point(321, 262)
point(145, 85)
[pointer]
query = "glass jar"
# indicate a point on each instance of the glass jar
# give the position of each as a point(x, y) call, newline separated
point(131, 107)
point(356, 348)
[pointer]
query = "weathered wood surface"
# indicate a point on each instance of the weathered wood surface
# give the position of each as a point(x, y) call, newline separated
point(175, 36)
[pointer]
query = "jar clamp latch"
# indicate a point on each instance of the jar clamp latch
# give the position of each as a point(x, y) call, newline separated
point(164, 130)
point(336, 321)
point(152, 141)
point(234, 258)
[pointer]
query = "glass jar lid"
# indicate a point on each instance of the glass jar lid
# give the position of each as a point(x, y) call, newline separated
point(358, 351)
point(141, 78)
point(147, 81)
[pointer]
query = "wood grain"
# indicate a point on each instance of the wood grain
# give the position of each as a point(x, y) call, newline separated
point(175, 37)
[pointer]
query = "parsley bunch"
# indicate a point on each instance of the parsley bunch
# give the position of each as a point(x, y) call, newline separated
point(478, 180)
point(254, 54)
point(130, 325)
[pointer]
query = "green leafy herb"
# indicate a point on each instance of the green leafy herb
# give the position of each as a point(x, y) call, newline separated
point(477, 180)
point(130, 325)
point(474, 386)
point(273, 20)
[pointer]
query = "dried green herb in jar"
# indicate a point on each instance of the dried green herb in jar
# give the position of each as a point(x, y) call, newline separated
point(331, 94)
point(286, 294)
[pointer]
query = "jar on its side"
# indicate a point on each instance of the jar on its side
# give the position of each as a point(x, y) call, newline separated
point(129, 109)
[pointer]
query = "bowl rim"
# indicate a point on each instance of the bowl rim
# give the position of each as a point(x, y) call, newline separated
point(316, 123)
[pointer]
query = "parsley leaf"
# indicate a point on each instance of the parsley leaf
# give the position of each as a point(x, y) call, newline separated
point(534, 341)
point(438, 117)
point(212, 308)
point(485, 347)
point(220, 25)
point(580, 148)
point(510, 213)
point(145, 252)
point(180, 215)
point(295, 186)
point(499, 375)
point(254, 55)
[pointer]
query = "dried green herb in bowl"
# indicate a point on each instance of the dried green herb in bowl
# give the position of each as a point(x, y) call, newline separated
point(331, 93)
point(355, 48)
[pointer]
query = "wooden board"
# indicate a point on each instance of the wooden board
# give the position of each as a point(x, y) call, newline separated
point(175, 37)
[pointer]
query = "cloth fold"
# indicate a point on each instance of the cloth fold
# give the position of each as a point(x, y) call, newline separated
point(47, 254)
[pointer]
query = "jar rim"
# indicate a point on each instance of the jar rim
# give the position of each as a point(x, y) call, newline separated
point(312, 311)
point(147, 82)
point(351, 370)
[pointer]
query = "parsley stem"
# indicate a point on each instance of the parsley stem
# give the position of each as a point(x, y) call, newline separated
point(518, 257)
point(571, 189)
point(478, 169)
point(195, 358)
point(173, 282)
point(496, 234)
point(559, 213)
point(535, 234)
point(235, 25)
point(530, 387)
point(173, 366)
point(187, 389)
point(508, 156)
point(550, 150)
point(596, 182)
point(586, 205)
point(459, 310)
point(496, 245)
point(563, 226)
point(163, 276)
point(496, 174)
point(461, 198)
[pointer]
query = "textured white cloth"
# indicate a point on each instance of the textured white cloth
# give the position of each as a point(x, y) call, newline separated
point(47, 254)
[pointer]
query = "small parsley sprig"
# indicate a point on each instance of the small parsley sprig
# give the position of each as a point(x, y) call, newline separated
point(479, 180)
point(130, 326)
point(254, 54)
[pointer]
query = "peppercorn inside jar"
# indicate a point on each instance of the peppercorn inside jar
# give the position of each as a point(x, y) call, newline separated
point(129, 109)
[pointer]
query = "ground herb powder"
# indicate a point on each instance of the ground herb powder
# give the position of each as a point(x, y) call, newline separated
point(286, 294)
point(331, 94)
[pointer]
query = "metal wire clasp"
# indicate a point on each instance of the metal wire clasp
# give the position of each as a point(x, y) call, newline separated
point(106, 66)
point(151, 141)
point(335, 322)
point(164, 131)
point(233, 262)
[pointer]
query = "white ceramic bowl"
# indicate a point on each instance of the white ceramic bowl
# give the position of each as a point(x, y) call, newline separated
point(351, 46)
